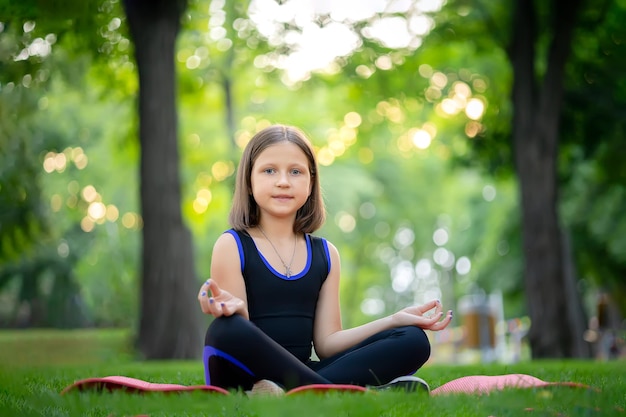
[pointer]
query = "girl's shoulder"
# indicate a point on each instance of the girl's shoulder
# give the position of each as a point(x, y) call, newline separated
point(232, 233)
point(327, 243)
point(315, 238)
point(230, 238)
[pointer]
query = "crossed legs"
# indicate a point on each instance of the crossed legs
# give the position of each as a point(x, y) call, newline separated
point(237, 354)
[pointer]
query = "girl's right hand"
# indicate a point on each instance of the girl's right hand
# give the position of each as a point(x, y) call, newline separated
point(217, 302)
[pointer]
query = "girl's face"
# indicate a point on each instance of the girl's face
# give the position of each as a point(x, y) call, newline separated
point(281, 179)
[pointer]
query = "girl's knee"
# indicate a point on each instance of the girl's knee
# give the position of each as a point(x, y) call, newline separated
point(416, 344)
point(226, 330)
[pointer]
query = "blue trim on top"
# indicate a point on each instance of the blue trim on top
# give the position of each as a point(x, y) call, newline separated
point(309, 256)
point(327, 252)
point(211, 351)
point(242, 260)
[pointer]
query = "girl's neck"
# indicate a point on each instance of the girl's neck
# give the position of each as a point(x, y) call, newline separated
point(277, 228)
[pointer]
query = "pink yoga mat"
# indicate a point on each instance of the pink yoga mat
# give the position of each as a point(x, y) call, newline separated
point(127, 384)
point(475, 384)
point(484, 384)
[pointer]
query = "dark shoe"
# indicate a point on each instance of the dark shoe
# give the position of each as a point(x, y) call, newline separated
point(406, 384)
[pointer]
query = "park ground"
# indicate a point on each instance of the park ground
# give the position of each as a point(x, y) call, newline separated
point(35, 366)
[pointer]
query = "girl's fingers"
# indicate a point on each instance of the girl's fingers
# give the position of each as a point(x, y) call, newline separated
point(202, 296)
point(214, 288)
point(428, 310)
point(204, 302)
point(440, 325)
point(434, 319)
point(449, 318)
point(204, 289)
point(208, 291)
point(214, 307)
point(215, 301)
point(420, 310)
point(430, 305)
point(216, 310)
point(226, 310)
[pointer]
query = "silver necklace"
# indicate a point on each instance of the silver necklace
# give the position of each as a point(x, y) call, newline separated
point(293, 255)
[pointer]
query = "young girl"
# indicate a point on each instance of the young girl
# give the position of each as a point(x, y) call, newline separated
point(274, 288)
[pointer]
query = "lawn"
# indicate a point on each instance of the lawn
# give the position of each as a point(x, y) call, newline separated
point(36, 365)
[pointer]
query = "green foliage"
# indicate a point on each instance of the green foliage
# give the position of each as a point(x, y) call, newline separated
point(398, 181)
point(44, 135)
point(22, 209)
point(591, 175)
point(45, 286)
point(592, 172)
point(74, 20)
point(380, 186)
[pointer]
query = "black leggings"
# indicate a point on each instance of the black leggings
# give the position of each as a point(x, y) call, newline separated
point(237, 354)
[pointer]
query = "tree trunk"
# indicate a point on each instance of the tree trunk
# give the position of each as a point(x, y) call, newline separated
point(577, 318)
point(227, 75)
point(169, 324)
point(536, 117)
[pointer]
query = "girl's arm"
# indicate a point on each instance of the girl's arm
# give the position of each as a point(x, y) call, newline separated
point(330, 338)
point(225, 293)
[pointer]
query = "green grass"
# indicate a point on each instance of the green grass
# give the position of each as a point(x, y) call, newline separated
point(36, 365)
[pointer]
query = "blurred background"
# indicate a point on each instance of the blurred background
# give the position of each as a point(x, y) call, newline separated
point(471, 152)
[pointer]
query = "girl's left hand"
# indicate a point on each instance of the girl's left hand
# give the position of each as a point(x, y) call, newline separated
point(416, 316)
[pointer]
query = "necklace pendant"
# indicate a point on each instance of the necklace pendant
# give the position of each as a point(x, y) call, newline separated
point(293, 255)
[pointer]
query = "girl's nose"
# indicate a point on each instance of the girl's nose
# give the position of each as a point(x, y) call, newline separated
point(282, 180)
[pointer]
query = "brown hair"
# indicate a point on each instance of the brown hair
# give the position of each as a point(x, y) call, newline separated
point(245, 212)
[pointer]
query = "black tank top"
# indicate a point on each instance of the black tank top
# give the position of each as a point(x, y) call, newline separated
point(284, 308)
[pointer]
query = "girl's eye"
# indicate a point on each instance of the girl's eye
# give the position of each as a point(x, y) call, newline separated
point(269, 170)
point(296, 172)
